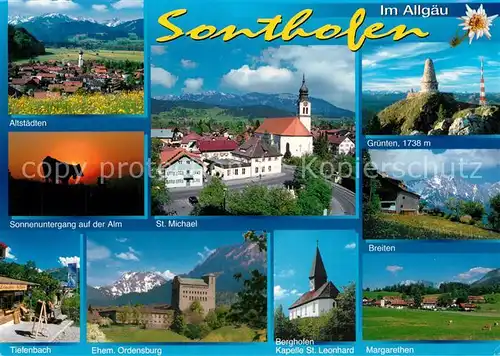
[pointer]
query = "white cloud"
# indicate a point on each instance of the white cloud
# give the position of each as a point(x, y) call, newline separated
point(422, 164)
point(97, 252)
point(474, 273)
point(50, 5)
point(401, 51)
point(65, 261)
point(9, 255)
point(351, 246)
point(329, 72)
point(281, 293)
point(128, 4)
point(188, 64)
point(286, 273)
point(122, 239)
point(193, 85)
point(158, 50)
point(130, 255)
point(168, 275)
point(206, 253)
point(160, 76)
point(394, 269)
point(100, 7)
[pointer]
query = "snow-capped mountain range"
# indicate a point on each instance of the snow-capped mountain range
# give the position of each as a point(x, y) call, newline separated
point(18, 20)
point(60, 28)
point(439, 188)
point(133, 282)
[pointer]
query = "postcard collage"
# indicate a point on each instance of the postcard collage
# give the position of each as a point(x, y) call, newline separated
point(285, 178)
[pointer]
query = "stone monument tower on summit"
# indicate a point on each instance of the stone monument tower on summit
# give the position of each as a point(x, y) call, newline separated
point(429, 83)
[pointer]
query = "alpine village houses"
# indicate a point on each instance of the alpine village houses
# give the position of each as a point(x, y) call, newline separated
point(428, 303)
point(322, 294)
point(53, 79)
point(188, 159)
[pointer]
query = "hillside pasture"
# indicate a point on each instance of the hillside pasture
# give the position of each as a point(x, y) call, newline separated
point(392, 226)
point(416, 324)
point(129, 334)
point(71, 54)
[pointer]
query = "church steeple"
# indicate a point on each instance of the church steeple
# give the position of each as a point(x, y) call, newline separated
point(317, 276)
point(304, 90)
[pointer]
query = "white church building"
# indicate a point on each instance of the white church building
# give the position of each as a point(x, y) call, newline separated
point(292, 134)
point(322, 294)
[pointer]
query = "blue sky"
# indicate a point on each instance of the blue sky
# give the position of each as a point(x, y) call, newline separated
point(193, 67)
point(96, 9)
point(294, 252)
point(381, 270)
point(49, 249)
point(400, 66)
point(110, 254)
point(479, 165)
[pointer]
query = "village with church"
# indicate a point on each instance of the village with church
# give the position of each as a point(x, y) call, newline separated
point(57, 78)
point(190, 160)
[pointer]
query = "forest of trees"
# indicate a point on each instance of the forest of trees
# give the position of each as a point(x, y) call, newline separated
point(22, 44)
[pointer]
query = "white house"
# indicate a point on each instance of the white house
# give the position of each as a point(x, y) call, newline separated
point(291, 134)
point(429, 303)
point(254, 158)
point(342, 144)
point(216, 148)
point(180, 169)
point(322, 294)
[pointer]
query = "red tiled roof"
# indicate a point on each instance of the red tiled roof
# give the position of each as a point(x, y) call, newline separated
point(217, 145)
point(398, 302)
point(475, 298)
point(285, 126)
point(326, 291)
point(430, 300)
point(170, 156)
point(192, 136)
point(335, 139)
point(466, 305)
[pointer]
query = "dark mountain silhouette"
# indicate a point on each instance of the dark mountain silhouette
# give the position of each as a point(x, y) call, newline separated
point(23, 44)
point(489, 279)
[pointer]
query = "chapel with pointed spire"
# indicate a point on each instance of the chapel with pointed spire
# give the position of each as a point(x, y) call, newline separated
point(322, 294)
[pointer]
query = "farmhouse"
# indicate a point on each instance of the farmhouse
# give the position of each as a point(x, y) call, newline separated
point(429, 303)
point(216, 148)
point(291, 134)
point(167, 136)
point(476, 299)
point(189, 141)
point(322, 294)
point(395, 197)
point(467, 306)
point(187, 290)
point(180, 168)
point(341, 145)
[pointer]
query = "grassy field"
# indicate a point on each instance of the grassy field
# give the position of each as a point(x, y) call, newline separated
point(135, 334)
point(423, 227)
point(71, 54)
point(95, 104)
point(407, 324)
point(374, 295)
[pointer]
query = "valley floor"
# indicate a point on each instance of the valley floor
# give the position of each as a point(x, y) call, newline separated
point(392, 226)
point(408, 324)
point(71, 54)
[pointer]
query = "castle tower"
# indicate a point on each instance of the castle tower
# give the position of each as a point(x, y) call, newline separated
point(317, 276)
point(210, 296)
point(304, 106)
point(429, 83)
point(80, 59)
point(482, 93)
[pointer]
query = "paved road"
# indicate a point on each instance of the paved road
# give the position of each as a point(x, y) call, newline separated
point(343, 202)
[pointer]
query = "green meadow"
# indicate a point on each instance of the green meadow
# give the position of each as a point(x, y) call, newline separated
point(71, 54)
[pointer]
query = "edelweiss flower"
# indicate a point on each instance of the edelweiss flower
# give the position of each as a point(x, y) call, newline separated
point(477, 22)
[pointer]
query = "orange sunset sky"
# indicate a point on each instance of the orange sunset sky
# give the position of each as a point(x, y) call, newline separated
point(89, 149)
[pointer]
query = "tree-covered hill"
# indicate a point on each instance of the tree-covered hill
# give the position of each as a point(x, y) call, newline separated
point(23, 44)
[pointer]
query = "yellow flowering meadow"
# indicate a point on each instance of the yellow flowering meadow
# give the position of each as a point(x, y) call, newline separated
point(131, 103)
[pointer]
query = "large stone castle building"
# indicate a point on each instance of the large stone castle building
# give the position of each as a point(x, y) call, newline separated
point(185, 291)
point(429, 83)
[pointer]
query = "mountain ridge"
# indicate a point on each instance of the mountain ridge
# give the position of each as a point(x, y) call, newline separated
point(283, 101)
